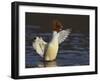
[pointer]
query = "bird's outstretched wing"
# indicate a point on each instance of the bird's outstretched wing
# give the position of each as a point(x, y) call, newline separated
point(63, 35)
point(39, 45)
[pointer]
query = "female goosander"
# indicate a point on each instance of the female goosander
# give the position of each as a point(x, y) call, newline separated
point(49, 51)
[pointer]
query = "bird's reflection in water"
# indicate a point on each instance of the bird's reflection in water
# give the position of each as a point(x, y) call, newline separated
point(47, 64)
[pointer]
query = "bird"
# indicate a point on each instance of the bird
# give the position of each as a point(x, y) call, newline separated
point(49, 50)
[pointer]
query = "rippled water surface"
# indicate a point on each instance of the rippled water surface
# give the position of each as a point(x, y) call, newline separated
point(74, 51)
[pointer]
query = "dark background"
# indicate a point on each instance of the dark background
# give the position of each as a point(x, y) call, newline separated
point(74, 51)
point(78, 23)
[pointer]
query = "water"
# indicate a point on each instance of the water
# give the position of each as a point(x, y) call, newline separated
point(74, 51)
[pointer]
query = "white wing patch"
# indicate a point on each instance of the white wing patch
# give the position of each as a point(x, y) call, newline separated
point(63, 35)
point(39, 45)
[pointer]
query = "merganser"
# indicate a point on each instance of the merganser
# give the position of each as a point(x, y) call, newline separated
point(48, 51)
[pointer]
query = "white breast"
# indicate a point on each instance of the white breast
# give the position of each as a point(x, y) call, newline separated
point(52, 49)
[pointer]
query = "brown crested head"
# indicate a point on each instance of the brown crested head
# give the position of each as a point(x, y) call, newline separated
point(57, 25)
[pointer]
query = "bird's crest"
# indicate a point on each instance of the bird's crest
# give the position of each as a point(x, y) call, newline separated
point(57, 25)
